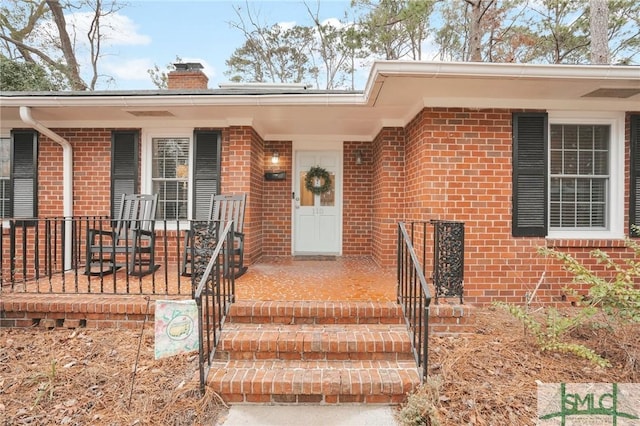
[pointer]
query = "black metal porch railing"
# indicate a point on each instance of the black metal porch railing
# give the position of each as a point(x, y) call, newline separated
point(49, 255)
point(416, 256)
point(414, 297)
point(215, 292)
point(448, 259)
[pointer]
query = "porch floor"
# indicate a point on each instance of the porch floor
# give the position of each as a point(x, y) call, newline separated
point(339, 279)
point(270, 279)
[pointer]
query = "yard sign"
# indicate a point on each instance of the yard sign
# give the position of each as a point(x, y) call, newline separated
point(176, 327)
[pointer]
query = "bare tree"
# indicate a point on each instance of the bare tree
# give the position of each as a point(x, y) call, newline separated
point(26, 36)
point(395, 29)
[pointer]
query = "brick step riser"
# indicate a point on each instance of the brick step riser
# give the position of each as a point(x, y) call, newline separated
point(381, 385)
point(313, 399)
point(287, 320)
point(313, 356)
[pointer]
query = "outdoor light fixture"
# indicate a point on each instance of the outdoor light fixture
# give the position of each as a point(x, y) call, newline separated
point(358, 157)
point(275, 157)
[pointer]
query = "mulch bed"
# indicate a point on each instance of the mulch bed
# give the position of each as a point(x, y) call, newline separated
point(490, 377)
point(82, 376)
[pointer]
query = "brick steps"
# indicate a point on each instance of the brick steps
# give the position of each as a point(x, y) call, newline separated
point(315, 342)
point(314, 352)
point(316, 312)
point(282, 381)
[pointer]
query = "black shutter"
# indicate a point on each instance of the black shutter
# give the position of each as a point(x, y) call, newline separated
point(530, 140)
point(124, 166)
point(634, 175)
point(24, 174)
point(206, 176)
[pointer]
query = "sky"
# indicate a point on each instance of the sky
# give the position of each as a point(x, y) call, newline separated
point(154, 32)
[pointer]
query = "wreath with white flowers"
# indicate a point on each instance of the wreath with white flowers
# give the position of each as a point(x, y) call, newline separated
point(315, 174)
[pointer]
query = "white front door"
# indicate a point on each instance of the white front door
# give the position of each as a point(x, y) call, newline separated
point(317, 227)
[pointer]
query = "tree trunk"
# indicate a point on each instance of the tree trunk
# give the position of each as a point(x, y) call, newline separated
point(599, 24)
point(475, 36)
point(73, 69)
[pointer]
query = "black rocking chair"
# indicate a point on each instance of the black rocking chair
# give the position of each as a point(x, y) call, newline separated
point(222, 209)
point(131, 238)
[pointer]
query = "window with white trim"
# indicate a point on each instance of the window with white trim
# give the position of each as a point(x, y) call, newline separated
point(183, 169)
point(568, 175)
point(170, 177)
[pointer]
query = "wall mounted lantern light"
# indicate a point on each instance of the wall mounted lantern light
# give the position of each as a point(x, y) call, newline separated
point(358, 157)
point(275, 157)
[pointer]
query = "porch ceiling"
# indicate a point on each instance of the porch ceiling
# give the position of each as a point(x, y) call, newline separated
point(394, 93)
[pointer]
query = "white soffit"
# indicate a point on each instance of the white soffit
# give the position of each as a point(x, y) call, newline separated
point(490, 85)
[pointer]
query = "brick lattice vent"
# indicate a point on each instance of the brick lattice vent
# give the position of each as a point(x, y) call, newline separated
point(314, 352)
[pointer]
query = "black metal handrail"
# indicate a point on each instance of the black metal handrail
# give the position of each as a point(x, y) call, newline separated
point(49, 255)
point(214, 295)
point(414, 297)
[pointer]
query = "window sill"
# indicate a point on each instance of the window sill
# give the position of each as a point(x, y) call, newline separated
point(585, 243)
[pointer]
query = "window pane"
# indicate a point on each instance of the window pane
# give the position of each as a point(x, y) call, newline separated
point(583, 194)
point(601, 138)
point(554, 214)
point(306, 196)
point(556, 137)
point(579, 181)
point(598, 215)
point(555, 189)
point(570, 162)
point(584, 215)
point(570, 137)
point(329, 198)
point(170, 175)
point(556, 162)
point(585, 137)
point(601, 163)
point(568, 215)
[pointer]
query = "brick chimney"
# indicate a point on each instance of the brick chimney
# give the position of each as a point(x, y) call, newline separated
point(187, 76)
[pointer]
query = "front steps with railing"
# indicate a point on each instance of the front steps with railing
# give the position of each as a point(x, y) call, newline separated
point(314, 352)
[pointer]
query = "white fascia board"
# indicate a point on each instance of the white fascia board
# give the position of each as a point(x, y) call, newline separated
point(504, 70)
point(160, 101)
point(591, 104)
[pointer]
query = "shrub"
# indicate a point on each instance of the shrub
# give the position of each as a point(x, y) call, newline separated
point(420, 408)
point(618, 298)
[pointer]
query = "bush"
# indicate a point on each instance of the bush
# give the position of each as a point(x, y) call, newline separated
point(618, 298)
point(420, 408)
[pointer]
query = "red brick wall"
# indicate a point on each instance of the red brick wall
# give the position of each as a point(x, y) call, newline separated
point(91, 174)
point(242, 171)
point(458, 166)
point(276, 203)
point(357, 200)
point(388, 192)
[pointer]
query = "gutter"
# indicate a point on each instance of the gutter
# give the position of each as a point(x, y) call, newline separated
point(67, 159)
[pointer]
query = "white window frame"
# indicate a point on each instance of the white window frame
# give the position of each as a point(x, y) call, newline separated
point(3, 135)
point(146, 166)
point(615, 203)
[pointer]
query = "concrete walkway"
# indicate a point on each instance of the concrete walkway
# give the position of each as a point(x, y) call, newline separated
point(309, 415)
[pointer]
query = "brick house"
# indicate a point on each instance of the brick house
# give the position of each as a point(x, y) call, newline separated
point(525, 155)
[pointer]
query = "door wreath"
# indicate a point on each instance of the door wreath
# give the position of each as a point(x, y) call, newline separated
point(317, 180)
